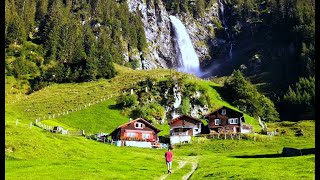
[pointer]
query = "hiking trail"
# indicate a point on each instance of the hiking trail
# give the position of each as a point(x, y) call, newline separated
point(182, 163)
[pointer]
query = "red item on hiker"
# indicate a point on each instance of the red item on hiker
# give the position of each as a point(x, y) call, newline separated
point(168, 156)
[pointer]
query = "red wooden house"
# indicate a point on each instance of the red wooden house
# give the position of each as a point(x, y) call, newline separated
point(225, 119)
point(183, 127)
point(138, 132)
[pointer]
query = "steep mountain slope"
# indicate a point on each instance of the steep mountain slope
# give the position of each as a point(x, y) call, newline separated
point(87, 102)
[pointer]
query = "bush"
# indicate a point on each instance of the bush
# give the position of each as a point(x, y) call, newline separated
point(125, 101)
point(243, 94)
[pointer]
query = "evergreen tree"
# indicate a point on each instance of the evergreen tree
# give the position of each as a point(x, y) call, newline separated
point(246, 97)
point(199, 8)
point(15, 31)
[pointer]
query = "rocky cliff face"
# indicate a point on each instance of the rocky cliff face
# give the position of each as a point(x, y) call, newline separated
point(161, 52)
point(157, 29)
point(201, 31)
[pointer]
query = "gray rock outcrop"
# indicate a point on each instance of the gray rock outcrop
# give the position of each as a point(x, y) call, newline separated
point(157, 29)
point(161, 52)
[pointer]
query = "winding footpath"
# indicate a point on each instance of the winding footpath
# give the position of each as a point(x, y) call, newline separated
point(181, 165)
point(194, 167)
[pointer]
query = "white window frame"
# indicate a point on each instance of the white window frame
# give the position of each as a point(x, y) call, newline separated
point(217, 120)
point(223, 111)
point(145, 136)
point(233, 120)
point(138, 125)
point(131, 134)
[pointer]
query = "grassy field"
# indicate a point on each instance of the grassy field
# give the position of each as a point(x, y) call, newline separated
point(44, 155)
point(33, 153)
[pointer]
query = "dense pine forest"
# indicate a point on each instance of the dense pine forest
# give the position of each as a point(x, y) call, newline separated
point(67, 41)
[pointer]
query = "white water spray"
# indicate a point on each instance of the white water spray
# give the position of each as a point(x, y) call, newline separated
point(177, 102)
point(188, 59)
point(221, 6)
point(230, 51)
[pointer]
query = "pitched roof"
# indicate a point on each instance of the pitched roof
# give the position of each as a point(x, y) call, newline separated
point(217, 109)
point(138, 119)
point(185, 117)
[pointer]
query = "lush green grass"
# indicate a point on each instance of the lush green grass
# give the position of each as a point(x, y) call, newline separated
point(216, 166)
point(42, 154)
point(178, 174)
point(33, 153)
point(101, 117)
point(256, 160)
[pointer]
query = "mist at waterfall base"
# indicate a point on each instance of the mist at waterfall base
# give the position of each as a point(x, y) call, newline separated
point(188, 61)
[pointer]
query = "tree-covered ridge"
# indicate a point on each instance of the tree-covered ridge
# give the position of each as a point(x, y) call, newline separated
point(242, 94)
point(300, 98)
point(283, 32)
point(69, 40)
point(195, 8)
point(281, 39)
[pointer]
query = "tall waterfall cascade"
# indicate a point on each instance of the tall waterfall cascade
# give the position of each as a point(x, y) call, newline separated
point(177, 102)
point(221, 7)
point(187, 57)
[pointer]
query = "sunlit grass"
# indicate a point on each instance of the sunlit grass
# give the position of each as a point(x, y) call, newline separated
point(33, 153)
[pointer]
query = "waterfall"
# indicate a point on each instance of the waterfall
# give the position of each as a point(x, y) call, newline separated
point(187, 57)
point(221, 6)
point(230, 51)
point(177, 102)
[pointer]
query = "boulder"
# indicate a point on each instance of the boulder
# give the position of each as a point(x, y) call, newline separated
point(287, 152)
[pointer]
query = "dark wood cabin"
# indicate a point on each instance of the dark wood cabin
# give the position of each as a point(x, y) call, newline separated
point(225, 119)
point(136, 130)
point(183, 127)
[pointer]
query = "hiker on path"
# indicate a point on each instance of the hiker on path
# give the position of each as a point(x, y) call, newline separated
point(168, 155)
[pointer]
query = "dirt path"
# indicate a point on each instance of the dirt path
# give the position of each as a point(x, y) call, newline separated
point(182, 163)
point(194, 167)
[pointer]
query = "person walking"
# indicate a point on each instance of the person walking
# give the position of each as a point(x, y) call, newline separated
point(168, 156)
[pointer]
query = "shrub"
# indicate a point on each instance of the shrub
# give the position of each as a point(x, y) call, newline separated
point(127, 101)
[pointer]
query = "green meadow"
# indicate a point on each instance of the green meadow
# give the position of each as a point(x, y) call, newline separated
point(34, 153)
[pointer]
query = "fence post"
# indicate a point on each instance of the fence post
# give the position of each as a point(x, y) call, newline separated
point(30, 125)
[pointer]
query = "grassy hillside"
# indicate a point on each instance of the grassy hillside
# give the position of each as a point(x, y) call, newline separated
point(33, 153)
point(90, 106)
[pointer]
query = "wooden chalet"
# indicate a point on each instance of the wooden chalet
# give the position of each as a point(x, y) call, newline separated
point(225, 120)
point(183, 127)
point(138, 132)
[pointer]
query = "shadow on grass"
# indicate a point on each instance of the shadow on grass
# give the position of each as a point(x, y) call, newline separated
point(114, 107)
point(287, 152)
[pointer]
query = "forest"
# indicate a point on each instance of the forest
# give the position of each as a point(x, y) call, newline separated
point(64, 41)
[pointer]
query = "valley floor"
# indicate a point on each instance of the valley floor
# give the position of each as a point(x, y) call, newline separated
point(54, 156)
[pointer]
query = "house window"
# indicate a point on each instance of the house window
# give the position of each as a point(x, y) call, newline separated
point(223, 112)
point(130, 134)
point(217, 121)
point(145, 136)
point(233, 120)
point(139, 125)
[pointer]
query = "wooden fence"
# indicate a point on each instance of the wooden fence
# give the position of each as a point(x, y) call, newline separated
point(237, 136)
point(59, 130)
